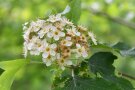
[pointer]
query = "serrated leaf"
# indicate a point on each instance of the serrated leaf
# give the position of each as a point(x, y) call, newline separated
point(89, 84)
point(75, 11)
point(80, 83)
point(10, 67)
point(101, 62)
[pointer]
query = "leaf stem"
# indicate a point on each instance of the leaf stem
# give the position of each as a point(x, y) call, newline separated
point(73, 75)
point(125, 75)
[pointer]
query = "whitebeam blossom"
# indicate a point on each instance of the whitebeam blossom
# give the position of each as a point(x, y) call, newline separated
point(58, 40)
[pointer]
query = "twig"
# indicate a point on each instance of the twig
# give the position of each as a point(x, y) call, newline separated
point(114, 19)
point(73, 75)
point(125, 75)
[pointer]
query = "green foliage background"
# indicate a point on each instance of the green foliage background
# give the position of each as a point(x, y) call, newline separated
point(13, 13)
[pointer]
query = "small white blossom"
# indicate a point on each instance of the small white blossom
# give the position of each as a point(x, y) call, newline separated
point(54, 18)
point(48, 61)
point(49, 50)
point(92, 36)
point(64, 62)
point(57, 34)
point(67, 41)
point(81, 51)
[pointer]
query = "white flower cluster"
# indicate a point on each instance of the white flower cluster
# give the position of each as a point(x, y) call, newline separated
point(57, 39)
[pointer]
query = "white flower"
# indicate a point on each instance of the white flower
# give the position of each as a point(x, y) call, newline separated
point(26, 35)
point(36, 26)
point(81, 28)
point(76, 32)
point(64, 62)
point(67, 42)
point(92, 36)
point(34, 45)
point(49, 50)
point(81, 51)
point(48, 61)
point(25, 50)
point(56, 34)
point(66, 21)
point(59, 25)
point(44, 30)
point(73, 31)
point(25, 26)
point(54, 18)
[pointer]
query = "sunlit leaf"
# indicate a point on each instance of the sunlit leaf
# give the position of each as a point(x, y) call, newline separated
point(10, 67)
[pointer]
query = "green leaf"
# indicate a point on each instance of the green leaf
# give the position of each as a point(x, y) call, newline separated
point(124, 49)
point(123, 84)
point(104, 48)
point(101, 62)
point(121, 46)
point(1, 71)
point(130, 52)
point(75, 11)
point(97, 84)
point(86, 83)
point(10, 67)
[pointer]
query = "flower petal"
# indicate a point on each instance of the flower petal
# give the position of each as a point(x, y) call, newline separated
point(78, 45)
point(84, 54)
point(68, 38)
point(45, 55)
point(68, 62)
point(52, 52)
point(58, 56)
point(50, 34)
point(53, 46)
point(56, 37)
point(62, 34)
point(68, 43)
point(48, 63)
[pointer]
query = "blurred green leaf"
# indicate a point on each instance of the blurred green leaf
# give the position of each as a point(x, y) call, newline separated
point(125, 50)
point(103, 48)
point(75, 11)
point(121, 46)
point(130, 52)
point(10, 67)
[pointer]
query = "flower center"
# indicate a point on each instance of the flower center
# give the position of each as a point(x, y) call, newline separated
point(79, 50)
point(62, 61)
point(56, 33)
point(47, 49)
point(64, 42)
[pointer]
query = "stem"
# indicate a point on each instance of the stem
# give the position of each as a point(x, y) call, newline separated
point(125, 75)
point(73, 75)
point(118, 20)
